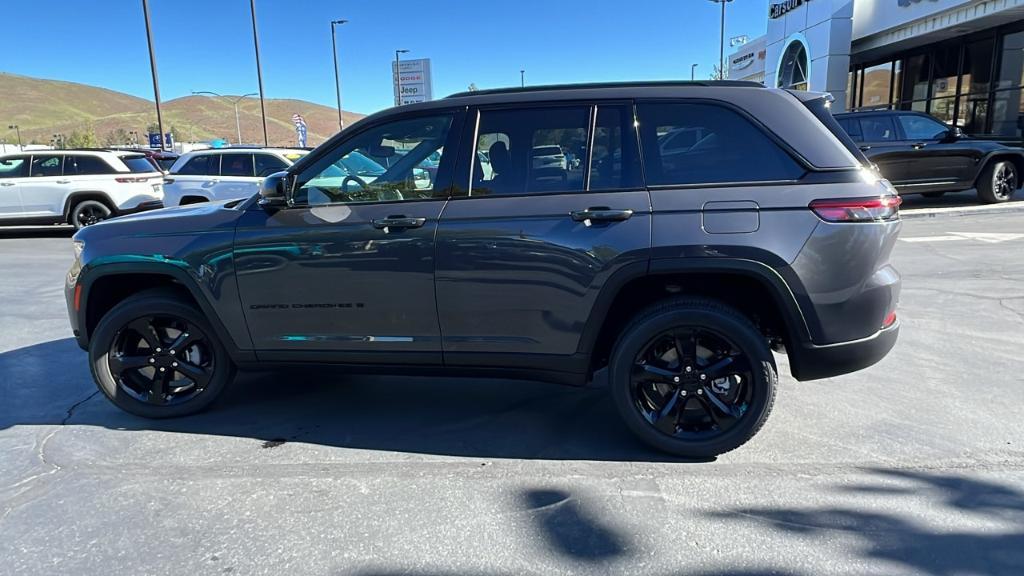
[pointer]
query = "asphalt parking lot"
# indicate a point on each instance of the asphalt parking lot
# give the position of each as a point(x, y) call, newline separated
point(914, 466)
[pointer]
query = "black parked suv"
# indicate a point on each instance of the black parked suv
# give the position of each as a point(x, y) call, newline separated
point(921, 155)
point(706, 225)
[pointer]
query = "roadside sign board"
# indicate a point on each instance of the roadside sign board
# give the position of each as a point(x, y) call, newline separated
point(417, 83)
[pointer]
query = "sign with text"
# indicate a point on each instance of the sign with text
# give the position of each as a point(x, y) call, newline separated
point(415, 79)
point(780, 9)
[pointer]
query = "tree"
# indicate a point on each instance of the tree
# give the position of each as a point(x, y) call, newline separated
point(86, 138)
point(117, 137)
point(717, 73)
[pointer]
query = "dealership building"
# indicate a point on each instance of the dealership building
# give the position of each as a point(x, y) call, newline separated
point(959, 60)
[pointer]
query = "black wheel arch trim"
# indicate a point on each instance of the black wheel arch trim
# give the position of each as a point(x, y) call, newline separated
point(797, 329)
point(76, 197)
point(1017, 156)
point(90, 275)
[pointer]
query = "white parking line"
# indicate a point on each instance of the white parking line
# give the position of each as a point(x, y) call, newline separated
point(988, 237)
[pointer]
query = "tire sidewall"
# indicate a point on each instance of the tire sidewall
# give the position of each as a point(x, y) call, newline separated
point(741, 334)
point(988, 191)
point(130, 310)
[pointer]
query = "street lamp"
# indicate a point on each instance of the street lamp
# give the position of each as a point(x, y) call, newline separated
point(259, 69)
point(721, 42)
point(398, 74)
point(522, 78)
point(337, 80)
point(692, 68)
point(152, 69)
point(18, 130)
point(234, 101)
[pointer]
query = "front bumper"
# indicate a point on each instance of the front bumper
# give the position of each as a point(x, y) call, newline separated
point(812, 362)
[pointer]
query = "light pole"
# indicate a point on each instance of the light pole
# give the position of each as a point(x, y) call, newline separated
point(337, 79)
point(152, 69)
point(721, 42)
point(259, 70)
point(692, 68)
point(234, 102)
point(18, 130)
point(398, 74)
point(522, 78)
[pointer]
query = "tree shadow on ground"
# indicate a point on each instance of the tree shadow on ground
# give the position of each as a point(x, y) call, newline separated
point(50, 383)
point(908, 539)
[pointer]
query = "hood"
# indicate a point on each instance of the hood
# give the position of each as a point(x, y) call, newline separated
point(193, 218)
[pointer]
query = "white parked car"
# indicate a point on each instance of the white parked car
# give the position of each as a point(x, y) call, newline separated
point(77, 187)
point(224, 173)
point(550, 156)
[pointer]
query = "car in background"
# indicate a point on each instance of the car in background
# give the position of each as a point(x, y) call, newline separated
point(77, 187)
point(921, 155)
point(549, 157)
point(162, 159)
point(224, 173)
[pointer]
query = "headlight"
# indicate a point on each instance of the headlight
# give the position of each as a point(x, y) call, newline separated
point(79, 246)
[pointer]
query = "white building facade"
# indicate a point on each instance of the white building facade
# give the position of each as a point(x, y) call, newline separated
point(959, 60)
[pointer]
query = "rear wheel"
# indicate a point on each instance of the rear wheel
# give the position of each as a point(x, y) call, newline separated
point(155, 355)
point(87, 213)
point(693, 377)
point(998, 182)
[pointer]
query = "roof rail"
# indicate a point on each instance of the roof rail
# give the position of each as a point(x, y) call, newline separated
point(593, 85)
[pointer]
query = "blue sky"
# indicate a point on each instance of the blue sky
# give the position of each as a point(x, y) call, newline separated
point(207, 44)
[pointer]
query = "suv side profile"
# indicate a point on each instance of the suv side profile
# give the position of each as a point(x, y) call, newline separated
point(667, 278)
point(223, 173)
point(77, 187)
point(921, 155)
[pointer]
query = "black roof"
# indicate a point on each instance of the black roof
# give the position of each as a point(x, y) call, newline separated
point(599, 85)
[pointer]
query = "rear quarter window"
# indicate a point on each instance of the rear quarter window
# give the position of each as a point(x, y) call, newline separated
point(699, 143)
point(139, 163)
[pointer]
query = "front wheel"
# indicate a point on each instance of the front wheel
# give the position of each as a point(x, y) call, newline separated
point(693, 377)
point(998, 182)
point(155, 355)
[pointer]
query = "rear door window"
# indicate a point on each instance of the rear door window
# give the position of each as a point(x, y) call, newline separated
point(878, 129)
point(697, 143)
point(202, 165)
point(46, 165)
point(13, 167)
point(236, 165)
point(530, 151)
point(86, 165)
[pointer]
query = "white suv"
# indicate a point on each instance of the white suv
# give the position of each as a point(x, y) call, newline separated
point(224, 173)
point(78, 187)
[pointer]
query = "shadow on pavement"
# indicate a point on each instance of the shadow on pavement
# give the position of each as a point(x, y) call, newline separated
point(49, 383)
point(949, 200)
point(995, 547)
point(36, 232)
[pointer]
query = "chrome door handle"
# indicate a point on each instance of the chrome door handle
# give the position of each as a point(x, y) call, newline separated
point(918, 145)
point(601, 214)
point(398, 222)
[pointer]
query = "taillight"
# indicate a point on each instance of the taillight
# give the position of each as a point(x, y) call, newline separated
point(890, 319)
point(872, 209)
point(78, 297)
point(126, 180)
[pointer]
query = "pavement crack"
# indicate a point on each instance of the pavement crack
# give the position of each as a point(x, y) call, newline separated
point(71, 410)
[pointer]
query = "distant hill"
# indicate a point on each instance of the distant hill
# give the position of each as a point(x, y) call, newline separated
point(43, 108)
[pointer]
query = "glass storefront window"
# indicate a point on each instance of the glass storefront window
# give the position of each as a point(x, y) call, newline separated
point(977, 67)
point(1008, 114)
point(851, 79)
point(943, 109)
point(915, 78)
point(973, 113)
point(946, 64)
point(877, 81)
point(896, 78)
point(1012, 62)
point(795, 69)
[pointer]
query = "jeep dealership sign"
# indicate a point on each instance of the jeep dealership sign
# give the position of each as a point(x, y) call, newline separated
point(416, 81)
point(780, 9)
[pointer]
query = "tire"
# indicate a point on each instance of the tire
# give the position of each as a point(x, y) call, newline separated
point(87, 213)
point(933, 194)
point(713, 323)
point(998, 181)
point(191, 378)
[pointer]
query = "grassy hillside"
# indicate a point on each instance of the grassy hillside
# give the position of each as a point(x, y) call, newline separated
point(45, 107)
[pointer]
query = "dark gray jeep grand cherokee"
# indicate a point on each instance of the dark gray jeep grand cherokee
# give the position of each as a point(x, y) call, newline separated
point(657, 239)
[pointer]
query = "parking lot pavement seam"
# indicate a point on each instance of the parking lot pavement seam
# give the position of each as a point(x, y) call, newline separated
point(71, 410)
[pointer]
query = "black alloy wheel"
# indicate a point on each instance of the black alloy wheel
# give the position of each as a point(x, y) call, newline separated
point(89, 212)
point(161, 360)
point(1005, 180)
point(691, 383)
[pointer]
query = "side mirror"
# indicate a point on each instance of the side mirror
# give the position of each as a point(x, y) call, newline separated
point(274, 190)
point(953, 134)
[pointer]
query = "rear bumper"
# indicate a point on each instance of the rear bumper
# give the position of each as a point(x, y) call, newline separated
point(812, 362)
point(142, 207)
